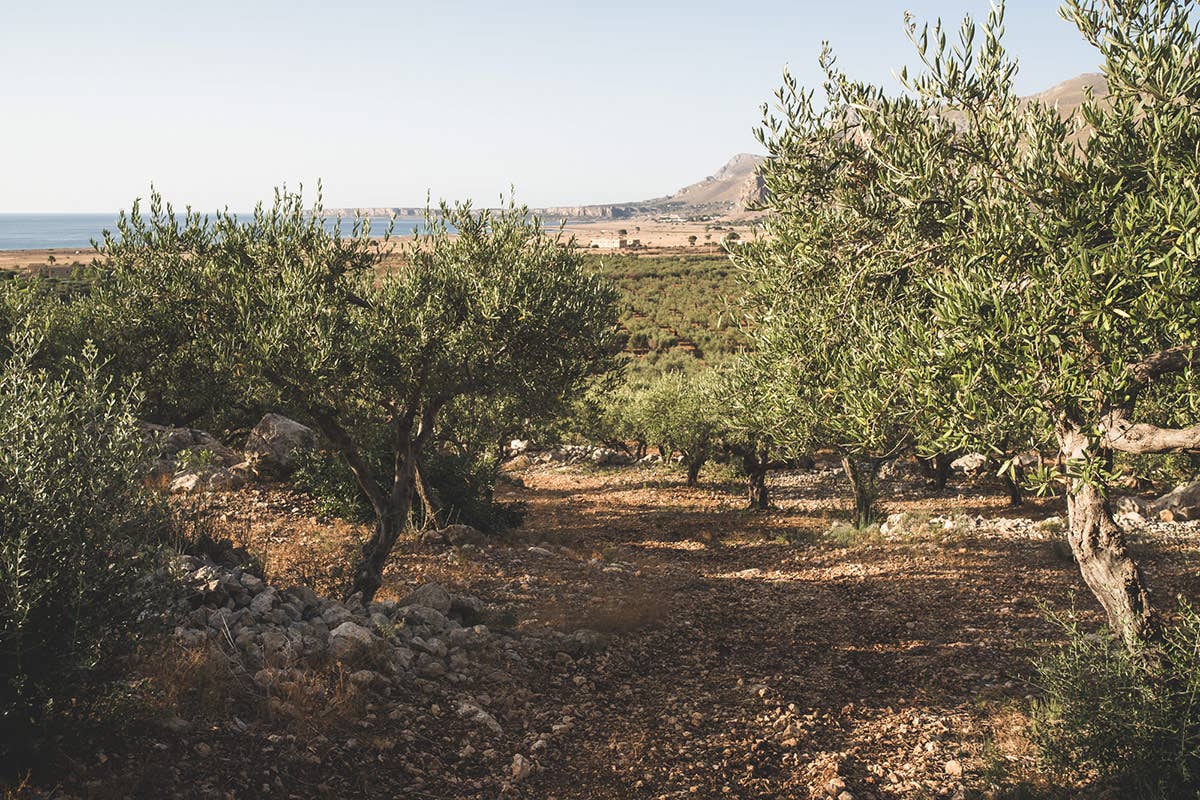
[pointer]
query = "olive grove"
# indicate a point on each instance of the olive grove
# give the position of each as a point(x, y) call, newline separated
point(958, 262)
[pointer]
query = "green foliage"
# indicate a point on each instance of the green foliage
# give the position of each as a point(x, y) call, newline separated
point(301, 319)
point(1121, 718)
point(958, 269)
point(152, 310)
point(680, 416)
point(827, 287)
point(842, 534)
point(74, 530)
point(463, 488)
point(1079, 256)
point(611, 412)
point(324, 475)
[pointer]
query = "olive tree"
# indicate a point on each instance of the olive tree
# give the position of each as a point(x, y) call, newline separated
point(1051, 263)
point(747, 430)
point(76, 532)
point(829, 283)
point(1085, 292)
point(680, 416)
point(486, 305)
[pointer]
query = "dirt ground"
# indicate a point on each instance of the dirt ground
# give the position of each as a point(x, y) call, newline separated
point(749, 654)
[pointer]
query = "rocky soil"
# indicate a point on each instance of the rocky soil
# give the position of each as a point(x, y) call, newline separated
point(635, 639)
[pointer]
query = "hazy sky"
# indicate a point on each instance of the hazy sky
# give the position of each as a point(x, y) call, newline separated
point(217, 102)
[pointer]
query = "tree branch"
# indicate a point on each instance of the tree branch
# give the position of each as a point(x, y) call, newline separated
point(1119, 433)
point(335, 433)
point(1164, 362)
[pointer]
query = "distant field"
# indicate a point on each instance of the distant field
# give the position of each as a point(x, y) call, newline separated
point(675, 303)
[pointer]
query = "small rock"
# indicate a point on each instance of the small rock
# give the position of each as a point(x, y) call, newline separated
point(521, 767)
point(177, 725)
point(471, 711)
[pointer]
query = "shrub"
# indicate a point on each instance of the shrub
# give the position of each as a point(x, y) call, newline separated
point(73, 533)
point(1123, 718)
point(463, 488)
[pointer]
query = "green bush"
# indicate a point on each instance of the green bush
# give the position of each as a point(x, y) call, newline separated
point(74, 530)
point(462, 485)
point(1121, 719)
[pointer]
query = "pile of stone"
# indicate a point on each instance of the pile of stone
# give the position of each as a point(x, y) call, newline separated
point(571, 454)
point(1181, 504)
point(273, 633)
point(194, 461)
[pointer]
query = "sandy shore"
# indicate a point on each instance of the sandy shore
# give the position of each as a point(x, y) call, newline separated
point(55, 260)
point(654, 234)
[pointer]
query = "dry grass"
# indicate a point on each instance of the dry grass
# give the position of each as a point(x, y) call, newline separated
point(1011, 759)
point(209, 684)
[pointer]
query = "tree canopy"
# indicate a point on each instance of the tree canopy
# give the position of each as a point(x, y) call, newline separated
point(959, 265)
point(487, 306)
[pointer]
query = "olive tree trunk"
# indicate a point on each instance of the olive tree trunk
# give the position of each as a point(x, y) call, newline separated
point(862, 474)
point(759, 495)
point(756, 462)
point(1013, 482)
point(393, 506)
point(936, 469)
point(368, 574)
point(1098, 544)
point(694, 465)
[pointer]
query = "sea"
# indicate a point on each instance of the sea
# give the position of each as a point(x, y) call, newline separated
point(77, 231)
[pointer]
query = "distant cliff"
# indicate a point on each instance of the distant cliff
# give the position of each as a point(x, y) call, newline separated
point(594, 212)
point(733, 189)
point(736, 187)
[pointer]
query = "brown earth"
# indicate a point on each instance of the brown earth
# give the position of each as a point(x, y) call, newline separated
point(751, 654)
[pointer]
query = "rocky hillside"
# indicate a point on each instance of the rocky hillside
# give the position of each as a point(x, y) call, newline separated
point(730, 190)
point(1068, 95)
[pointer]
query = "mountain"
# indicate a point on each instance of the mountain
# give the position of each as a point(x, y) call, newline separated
point(729, 190)
point(1068, 95)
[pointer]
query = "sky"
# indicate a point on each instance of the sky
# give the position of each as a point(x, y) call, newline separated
point(217, 103)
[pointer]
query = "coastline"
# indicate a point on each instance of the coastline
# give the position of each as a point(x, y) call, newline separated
point(654, 237)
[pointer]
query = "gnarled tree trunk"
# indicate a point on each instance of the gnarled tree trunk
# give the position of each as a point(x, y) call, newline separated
point(1100, 550)
point(694, 465)
point(936, 469)
point(431, 504)
point(1013, 482)
point(368, 574)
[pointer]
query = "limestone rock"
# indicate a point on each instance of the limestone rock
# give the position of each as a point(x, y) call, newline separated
point(350, 641)
point(458, 535)
point(471, 711)
point(970, 464)
point(432, 596)
point(521, 767)
point(276, 443)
